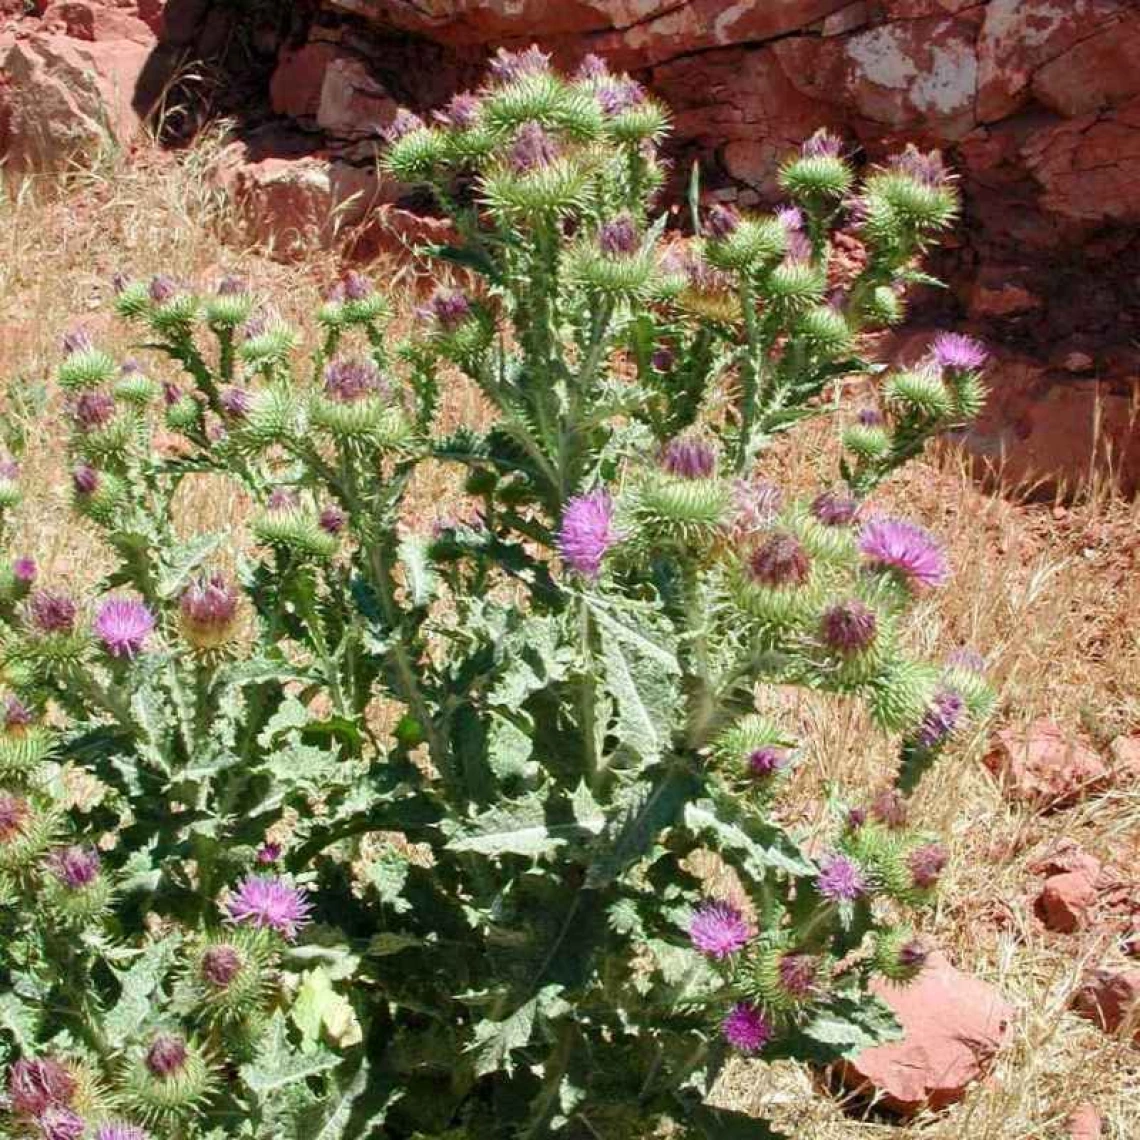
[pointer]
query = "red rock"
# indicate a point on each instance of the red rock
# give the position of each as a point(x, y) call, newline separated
point(953, 1025)
point(88, 20)
point(1044, 766)
point(1098, 71)
point(295, 89)
point(1001, 300)
point(1067, 857)
point(352, 103)
point(1084, 1123)
point(1125, 752)
point(1066, 901)
point(1111, 999)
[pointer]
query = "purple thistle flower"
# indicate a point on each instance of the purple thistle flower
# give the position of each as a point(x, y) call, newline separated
point(833, 509)
point(14, 812)
point(130, 367)
point(162, 288)
point(757, 503)
point(663, 359)
point(220, 965)
point(968, 659)
point(780, 561)
point(235, 402)
point(332, 519)
point(619, 96)
point(166, 1056)
point(253, 328)
point(822, 144)
point(450, 307)
point(618, 236)
point(77, 340)
point(746, 1028)
point(941, 718)
point(849, 627)
point(870, 417)
point(58, 1123)
point(231, 286)
point(85, 479)
point(208, 607)
point(171, 393)
point(957, 352)
point(123, 625)
point(121, 1130)
point(461, 112)
point(722, 222)
point(798, 248)
point(52, 613)
point(592, 67)
point(17, 715)
point(281, 499)
point(532, 149)
point(689, 457)
point(926, 168)
point(587, 532)
point(403, 123)
point(347, 380)
point(269, 903)
point(36, 1084)
point(9, 470)
point(926, 864)
point(791, 218)
point(24, 570)
point(840, 879)
point(799, 975)
point(889, 807)
point(507, 66)
point(856, 817)
point(74, 867)
point(269, 853)
point(906, 549)
point(93, 409)
point(718, 929)
point(767, 761)
point(357, 287)
point(120, 282)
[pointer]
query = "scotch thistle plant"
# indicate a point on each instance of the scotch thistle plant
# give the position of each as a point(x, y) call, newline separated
point(237, 906)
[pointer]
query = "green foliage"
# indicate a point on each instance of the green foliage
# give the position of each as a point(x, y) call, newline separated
point(236, 906)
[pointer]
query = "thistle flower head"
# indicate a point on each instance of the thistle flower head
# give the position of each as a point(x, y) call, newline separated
point(51, 612)
point(121, 1130)
point(93, 409)
point(870, 417)
point(450, 307)
point(781, 560)
point(508, 66)
point(907, 549)
point(822, 144)
point(799, 975)
point(663, 358)
point(269, 853)
point(123, 625)
point(221, 964)
point(162, 288)
point(74, 867)
point(357, 287)
point(171, 393)
point(928, 168)
point(235, 402)
point(757, 503)
point(14, 812)
point(207, 608)
point(746, 1028)
point(587, 532)
point(890, 808)
point(767, 760)
point(941, 717)
point(403, 123)
point(957, 352)
point(849, 627)
point(840, 879)
point(621, 95)
point(791, 218)
point(349, 380)
point(59, 1123)
point(592, 67)
point(618, 236)
point(166, 1055)
point(85, 479)
point(77, 340)
point(533, 149)
point(269, 902)
point(9, 469)
point(799, 248)
point(718, 930)
point(722, 222)
point(17, 715)
point(968, 659)
point(37, 1084)
point(332, 519)
point(833, 509)
point(281, 499)
point(461, 111)
point(912, 955)
point(926, 864)
point(689, 457)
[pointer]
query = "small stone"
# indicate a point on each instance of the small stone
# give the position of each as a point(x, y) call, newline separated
point(1066, 900)
point(1078, 362)
point(1110, 998)
point(1044, 766)
point(1084, 1123)
point(1125, 752)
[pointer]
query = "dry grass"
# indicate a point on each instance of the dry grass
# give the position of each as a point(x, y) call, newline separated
point(1051, 595)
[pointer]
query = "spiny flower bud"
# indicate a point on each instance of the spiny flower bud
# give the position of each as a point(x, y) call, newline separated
point(51, 612)
point(450, 308)
point(235, 402)
point(833, 509)
point(166, 1056)
point(926, 864)
point(532, 149)
point(93, 409)
point(220, 965)
point(123, 626)
point(332, 519)
point(162, 288)
point(37, 1084)
point(587, 532)
point(207, 609)
point(689, 457)
point(17, 715)
point(74, 867)
point(899, 956)
point(780, 561)
point(746, 1028)
point(767, 761)
point(24, 572)
point(618, 236)
point(718, 930)
point(849, 627)
point(721, 222)
point(941, 718)
point(85, 479)
point(663, 359)
point(14, 813)
point(799, 975)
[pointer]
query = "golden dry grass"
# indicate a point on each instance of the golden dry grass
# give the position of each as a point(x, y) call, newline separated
point(1052, 596)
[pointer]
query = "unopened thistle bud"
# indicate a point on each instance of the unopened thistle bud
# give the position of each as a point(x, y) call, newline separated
point(332, 519)
point(51, 613)
point(818, 174)
point(168, 1080)
point(781, 561)
point(849, 627)
point(785, 981)
point(26, 831)
point(899, 956)
point(619, 237)
point(689, 457)
point(833, 509)
point(208, 612)
point(76, 890)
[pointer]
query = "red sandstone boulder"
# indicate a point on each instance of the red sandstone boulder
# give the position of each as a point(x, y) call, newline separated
point(1044, 766)
point(953, 1025)
point(295, 89)
point(92, 21)
point(1066, 901)
point(1084, 1123)
point(1111, 999)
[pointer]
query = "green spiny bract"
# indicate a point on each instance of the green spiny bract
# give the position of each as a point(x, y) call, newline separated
point(350, 818)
